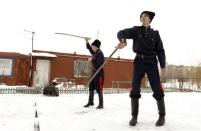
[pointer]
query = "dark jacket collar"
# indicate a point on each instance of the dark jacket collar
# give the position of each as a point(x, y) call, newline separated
point(143, 27)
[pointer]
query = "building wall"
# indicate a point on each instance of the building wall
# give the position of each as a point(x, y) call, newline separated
point(115, 70)
point(118, 70)
point(20, 69)
point(63, 66)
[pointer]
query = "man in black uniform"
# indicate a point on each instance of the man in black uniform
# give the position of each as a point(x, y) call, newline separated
point(97, 82)
point(148, 46)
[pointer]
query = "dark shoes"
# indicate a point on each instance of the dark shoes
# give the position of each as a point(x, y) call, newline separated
point(133, 121)
point(134, 111)
point(99, 107)
point(160, 121)
point(91, 99)
point(135, 108)
point(161, 112)
point(89, 104)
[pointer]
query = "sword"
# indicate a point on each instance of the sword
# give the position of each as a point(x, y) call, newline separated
point(101, 66)
point(71, 35)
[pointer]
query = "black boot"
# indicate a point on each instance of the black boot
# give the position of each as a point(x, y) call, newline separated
point(134, 111)
point(100, 96)
point(91, 99)
point(161, 112)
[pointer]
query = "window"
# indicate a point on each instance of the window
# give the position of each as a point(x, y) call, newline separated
point(81, 68)
point(6, 66)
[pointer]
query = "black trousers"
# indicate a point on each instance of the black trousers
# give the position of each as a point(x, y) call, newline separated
point(97, 84)
point(142, 66)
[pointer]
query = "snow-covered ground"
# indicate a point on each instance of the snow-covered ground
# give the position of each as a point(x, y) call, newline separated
point(66, 113)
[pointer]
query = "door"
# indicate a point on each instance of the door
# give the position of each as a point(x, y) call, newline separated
point(42, 73)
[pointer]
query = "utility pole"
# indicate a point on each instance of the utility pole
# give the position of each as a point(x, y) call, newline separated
point(31, 58)
point(32, 39)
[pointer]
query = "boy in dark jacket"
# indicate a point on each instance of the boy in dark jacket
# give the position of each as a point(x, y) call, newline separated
point(97, 82)
point(148, 47)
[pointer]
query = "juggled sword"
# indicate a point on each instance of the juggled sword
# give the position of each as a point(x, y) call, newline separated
point(97, 71)
point(71, 35)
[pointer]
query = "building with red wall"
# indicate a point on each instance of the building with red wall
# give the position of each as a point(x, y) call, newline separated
point(14, 68)
point(48, 65)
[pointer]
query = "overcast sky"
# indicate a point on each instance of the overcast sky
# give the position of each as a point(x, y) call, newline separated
point(178, 22)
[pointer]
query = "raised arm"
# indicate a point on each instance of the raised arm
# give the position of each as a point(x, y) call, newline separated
point(128, 33)
point(88, 45)
point(122, 35)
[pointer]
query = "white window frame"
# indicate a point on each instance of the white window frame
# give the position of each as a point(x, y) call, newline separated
point(6, 66)
point(80, 67)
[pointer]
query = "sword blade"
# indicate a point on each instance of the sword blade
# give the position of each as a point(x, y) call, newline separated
point(101, 66)
point(70, 35)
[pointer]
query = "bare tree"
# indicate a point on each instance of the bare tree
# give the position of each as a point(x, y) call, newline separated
point(198, 76)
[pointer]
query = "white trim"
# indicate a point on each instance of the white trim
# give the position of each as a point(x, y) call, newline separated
point(43, 54)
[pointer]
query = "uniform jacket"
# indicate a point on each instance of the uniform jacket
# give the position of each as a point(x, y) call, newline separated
point(97, 60)
point(146, 41)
